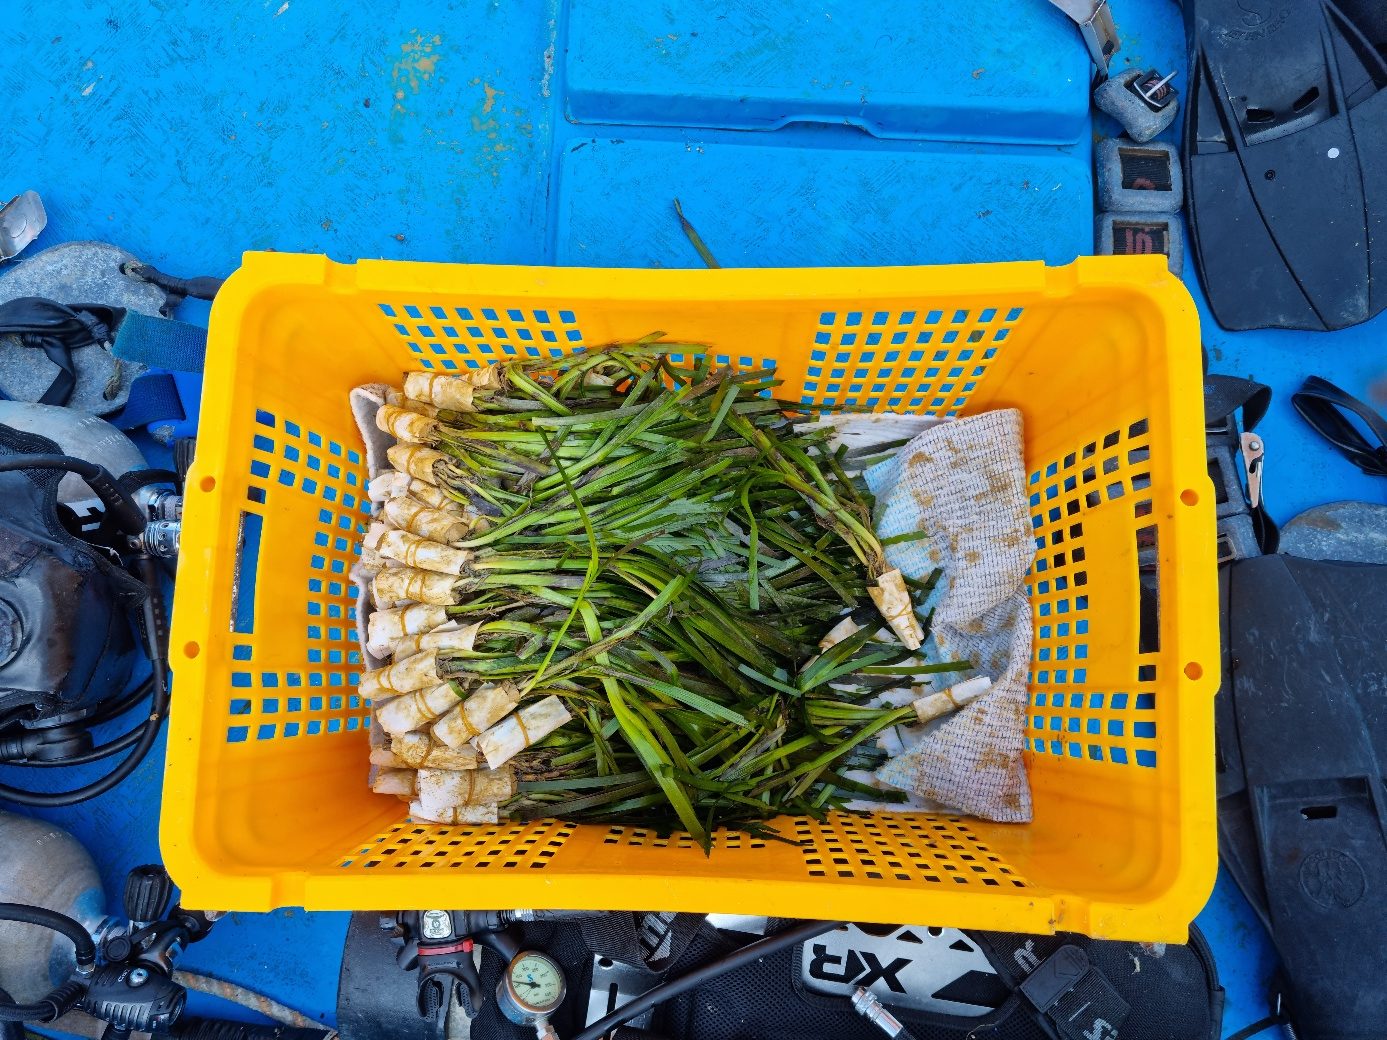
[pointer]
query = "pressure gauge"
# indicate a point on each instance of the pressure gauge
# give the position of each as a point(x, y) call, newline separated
point(532, 988)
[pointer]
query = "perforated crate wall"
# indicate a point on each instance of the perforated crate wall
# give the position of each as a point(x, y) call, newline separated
point(311, 693)
point(273, 738)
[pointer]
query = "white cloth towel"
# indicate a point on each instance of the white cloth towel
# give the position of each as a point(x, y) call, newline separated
point(964, 484)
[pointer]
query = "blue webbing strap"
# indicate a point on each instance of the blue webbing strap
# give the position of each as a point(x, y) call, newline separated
point(161, 343)
point(153, 397)
point(157, 343)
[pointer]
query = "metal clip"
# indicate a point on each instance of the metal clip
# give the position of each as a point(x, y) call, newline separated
point(1253, 449)
point(21, 220)
point(1096, 25)
point(1100, 34)
point(1155, 89)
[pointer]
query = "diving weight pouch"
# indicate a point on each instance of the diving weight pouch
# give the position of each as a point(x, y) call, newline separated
point(1302, 753)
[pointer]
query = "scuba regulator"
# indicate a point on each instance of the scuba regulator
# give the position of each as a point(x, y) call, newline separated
point(125, 976)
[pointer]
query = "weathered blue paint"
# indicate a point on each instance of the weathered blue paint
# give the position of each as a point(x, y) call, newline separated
point(508, 132)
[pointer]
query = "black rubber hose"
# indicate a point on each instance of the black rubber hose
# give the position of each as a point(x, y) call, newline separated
point(115, 709)
point(111, 747)
point(54, 1004)
point(9, 1030)
point(201, 287)
point(96, 754)
point(147, 734)
point(671, 988)
point(62, 999)
point(156, 638)
point(119, 506)
point(84, 949)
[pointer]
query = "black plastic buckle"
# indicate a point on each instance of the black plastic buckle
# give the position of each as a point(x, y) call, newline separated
point(1077, 1001)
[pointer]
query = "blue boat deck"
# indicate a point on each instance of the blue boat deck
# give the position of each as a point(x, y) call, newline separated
point(560, 132)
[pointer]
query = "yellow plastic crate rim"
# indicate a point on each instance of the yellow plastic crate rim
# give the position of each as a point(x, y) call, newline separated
point(266, 802)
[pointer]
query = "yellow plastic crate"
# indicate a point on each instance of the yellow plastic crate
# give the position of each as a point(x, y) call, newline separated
point(266, 802)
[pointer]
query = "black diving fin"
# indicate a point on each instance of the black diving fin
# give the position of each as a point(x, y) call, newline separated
point(1302, 779)
point(1285, 154)
point(1371, 18)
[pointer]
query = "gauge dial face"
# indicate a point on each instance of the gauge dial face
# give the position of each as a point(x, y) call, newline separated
point(536, 982)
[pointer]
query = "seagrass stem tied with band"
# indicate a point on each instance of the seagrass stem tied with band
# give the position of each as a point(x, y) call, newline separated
point(649, 589)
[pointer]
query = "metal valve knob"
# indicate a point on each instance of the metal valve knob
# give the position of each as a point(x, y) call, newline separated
point(147, 893)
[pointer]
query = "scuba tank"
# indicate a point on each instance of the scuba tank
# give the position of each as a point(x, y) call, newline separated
point(95, 440)
point(43, 865)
